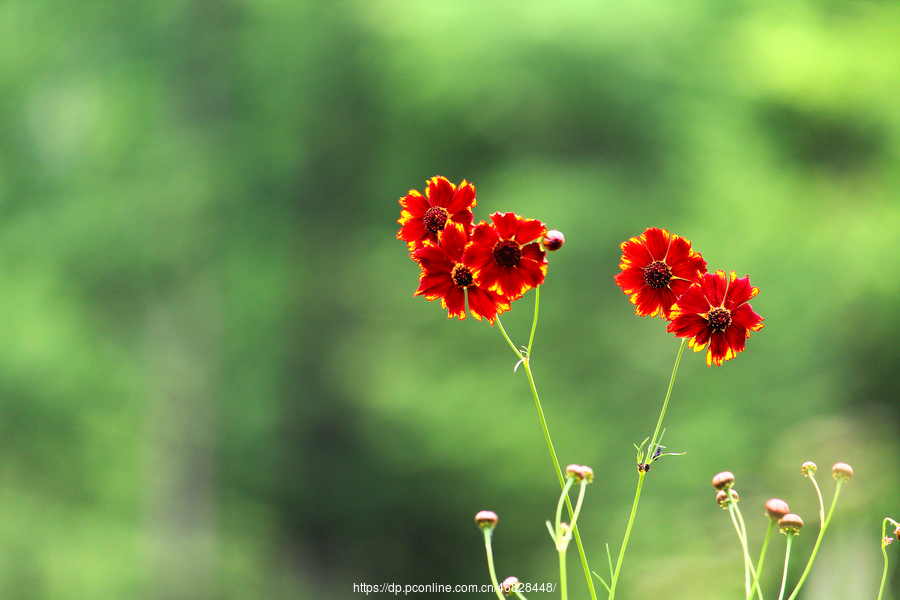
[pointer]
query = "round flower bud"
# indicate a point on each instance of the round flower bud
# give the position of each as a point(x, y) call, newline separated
point(553, 240)
point(588, 474)
point(897, 533)
point(790, 524)
point(486, 519)
point(722, 497)
point(808, 468)
point(776, 508)
point(509, 584)
point(575, 471)
point(723, 480)
point(842, 471)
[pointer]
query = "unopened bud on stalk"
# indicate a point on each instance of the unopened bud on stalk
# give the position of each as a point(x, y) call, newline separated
point(486, 519)
point(580, 473)
point(776, 508)
point(790, 524)
point(842, 471)
point(722, 497)
point(553, 240)
point(808, 468)
point(723, 480)
point(509, 584)
point(897, 533)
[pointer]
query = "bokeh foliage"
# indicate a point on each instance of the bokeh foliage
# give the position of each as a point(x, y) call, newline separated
point(214, 381)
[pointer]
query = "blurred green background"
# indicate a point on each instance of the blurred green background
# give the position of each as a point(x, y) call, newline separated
point(215, 382)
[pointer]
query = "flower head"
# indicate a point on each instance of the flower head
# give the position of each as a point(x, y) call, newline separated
point(504, 255)
point(445, 276)
point(423, 217)
point(777, 508)
point(715, 312)
point(486, 519)
point(790, 524)
point(657, 268)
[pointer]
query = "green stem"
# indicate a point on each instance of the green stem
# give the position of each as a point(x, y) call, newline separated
point(787, 559)
point(651, 448)
point(738, 521)
point(562, 575)
point(490, 558)
point(825, 523)
point(526, 361)
point(762, 556)
point(637, 498)
point(884, 552)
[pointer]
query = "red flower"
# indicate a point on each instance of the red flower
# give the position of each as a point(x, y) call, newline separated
point(445, 276)
point(422, 217)
point(501, 257)
point(657, 268)
point(715, 312)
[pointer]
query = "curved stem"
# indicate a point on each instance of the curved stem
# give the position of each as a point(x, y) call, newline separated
point(526, 361)
point(762, 556)
point(787, 559)
point(490, 559)
point(653, 441)
point(825, 523)
point(885, 539)
point(742, 536)
point(637, 498)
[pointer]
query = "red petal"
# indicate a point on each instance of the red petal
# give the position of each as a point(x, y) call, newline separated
point(455, 302)
point(746, 318)
point(507, 224)
point(463, 199)
point(440, 191)
point(529, 230)
point(631, 280)
point(657, 242)
point(634, 254)
point(739, 291)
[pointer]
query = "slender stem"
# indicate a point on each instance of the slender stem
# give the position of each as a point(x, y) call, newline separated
point(742, 536)
point(650, 450)
point(537, 303)
point(490, 558)
point(526, 361)
point(559, 505)
point(653, 441)
point(762, 556)
point(812, 478)
point(825, 523)
point(637, 498)
point(740, 517)
point(885, 539)
point(564, 593)
point(787, 558)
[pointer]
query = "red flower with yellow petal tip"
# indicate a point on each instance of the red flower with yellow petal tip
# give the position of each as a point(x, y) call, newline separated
point(657, 268)
point(445, 276)
point(504, 255)
point(423, 217)
point(715, 311)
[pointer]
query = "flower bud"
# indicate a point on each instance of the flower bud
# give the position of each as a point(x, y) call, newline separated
point(553, 240)
point(486, 519)
point(776, 508)
point(808, 468)
point(897, 533)
point(509, 584)
point(580, 473)
point(842, 471)
point(723, 480)
point(790, 524)
point(722, 497)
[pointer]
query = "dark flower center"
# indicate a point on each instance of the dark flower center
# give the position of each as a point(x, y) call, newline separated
point(507, 253)
point(657, 275)
point(435, 219)
point(719, 319)
point(461, 275)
